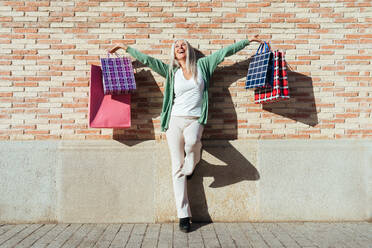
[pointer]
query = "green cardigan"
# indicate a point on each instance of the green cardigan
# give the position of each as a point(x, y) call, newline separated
point(207, 66)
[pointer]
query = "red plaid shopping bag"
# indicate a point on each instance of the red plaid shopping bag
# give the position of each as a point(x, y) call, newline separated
point(279, 91)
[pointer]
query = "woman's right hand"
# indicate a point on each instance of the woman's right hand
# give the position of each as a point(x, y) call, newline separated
point(117, 47)
point(255, 39)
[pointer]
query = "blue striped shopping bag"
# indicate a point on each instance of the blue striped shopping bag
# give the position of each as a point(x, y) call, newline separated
point(261, 68)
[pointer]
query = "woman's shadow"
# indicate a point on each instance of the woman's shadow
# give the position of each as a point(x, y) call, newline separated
point(146, 105)
point(223, 126)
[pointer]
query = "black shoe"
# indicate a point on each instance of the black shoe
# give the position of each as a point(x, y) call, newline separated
point(185, 224)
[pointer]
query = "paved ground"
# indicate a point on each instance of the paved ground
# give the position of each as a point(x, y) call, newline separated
point(283, 234)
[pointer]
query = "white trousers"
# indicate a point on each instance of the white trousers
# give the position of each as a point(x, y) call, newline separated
point(183, 137)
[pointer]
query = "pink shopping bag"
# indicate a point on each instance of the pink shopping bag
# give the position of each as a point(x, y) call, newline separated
point(106, 111)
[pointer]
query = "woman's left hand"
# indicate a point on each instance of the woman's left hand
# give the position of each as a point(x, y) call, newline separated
point(255, 39)
point(117, 47)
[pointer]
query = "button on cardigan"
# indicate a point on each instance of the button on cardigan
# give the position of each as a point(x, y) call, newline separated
point(207, 66)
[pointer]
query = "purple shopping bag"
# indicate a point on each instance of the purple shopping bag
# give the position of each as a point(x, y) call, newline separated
point(118, 76)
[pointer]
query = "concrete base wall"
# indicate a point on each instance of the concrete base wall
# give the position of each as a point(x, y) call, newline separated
point(114, 182)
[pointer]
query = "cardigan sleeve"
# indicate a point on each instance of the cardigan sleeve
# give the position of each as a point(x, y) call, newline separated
point(155, 64)
point(211, 62)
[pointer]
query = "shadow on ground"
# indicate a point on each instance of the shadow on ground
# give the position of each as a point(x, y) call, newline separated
point(236, 169)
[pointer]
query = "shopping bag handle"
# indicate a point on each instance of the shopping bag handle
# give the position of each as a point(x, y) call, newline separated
point(118, 56)
point(115, 52)
point(264, 47)
point(108, 54)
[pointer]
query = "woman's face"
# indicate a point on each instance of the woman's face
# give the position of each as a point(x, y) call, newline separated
point(180, 50)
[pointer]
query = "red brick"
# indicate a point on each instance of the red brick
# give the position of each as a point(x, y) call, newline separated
point(25, 30)
point(38, 3)
point(60, 121)
point(112, 14)
point(347, 115)
point(272, 136)
point(273, 20)
point(92, 4)
point(186, 4)
point(50, 116)
point(210, 4)
point(344, 20)
point(258, 4)
point(308, 57)
point(136, 25)
point(6, 19)
point(176, 20)
point(136, 36)
point(24, 126)
point(200, 10)
point(332, 47)
point(63, 46)
point(46, 137)
point(25, 84)
point(162, 14)
point(74, 105)
point(136, 4)
point(98, 137)
point(309, 26)
point(75, 30)
point(297, 20)
point(223, 20)
point(152, 9)
point(13, 3)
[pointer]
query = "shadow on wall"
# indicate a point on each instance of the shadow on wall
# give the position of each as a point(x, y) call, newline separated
point(222, 117)
point(146, 104)
point(301, 105)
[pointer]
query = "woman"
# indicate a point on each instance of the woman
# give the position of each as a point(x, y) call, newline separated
point(185, 109)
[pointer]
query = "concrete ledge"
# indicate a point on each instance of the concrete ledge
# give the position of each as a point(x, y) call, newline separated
point(116, 182)
point(315, 180)
point(28, 181)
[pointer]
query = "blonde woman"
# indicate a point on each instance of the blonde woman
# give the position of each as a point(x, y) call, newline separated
point(185, 109)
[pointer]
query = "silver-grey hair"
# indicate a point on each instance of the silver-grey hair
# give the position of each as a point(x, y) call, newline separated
point(190, 60)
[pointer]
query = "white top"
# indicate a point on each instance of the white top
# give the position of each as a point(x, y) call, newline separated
point(188, 95)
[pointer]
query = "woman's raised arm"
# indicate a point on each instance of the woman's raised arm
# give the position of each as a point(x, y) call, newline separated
point(213, 60)
point(155, 64)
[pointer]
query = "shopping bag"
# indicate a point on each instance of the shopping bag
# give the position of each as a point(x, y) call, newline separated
point(261, 68)
point(107, 111)
point(118, 76)
point(279, 91)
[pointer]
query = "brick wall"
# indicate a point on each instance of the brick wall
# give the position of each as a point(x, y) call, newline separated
point(46, 48)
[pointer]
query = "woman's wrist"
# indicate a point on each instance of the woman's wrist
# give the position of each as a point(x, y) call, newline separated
point(117, 47)
point(255, 39)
